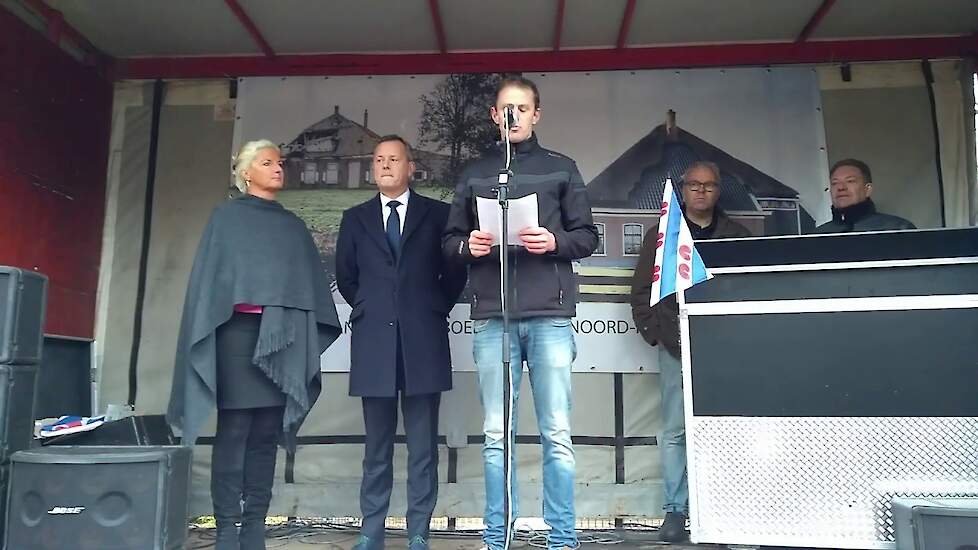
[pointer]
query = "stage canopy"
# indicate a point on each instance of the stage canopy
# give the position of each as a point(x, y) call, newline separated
point(214, 38)
point(890, 82)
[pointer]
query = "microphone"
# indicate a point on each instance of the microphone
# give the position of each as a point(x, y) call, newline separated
point(512, 116)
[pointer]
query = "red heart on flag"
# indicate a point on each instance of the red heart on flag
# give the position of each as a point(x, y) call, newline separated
point(685, 252)
point(665, 208)
point(684, 271)
point(660, 240)
point(655, 273)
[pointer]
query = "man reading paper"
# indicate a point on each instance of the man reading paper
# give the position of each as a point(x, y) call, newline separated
point(541, 303)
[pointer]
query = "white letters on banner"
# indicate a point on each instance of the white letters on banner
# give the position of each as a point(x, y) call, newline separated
point(607, 341)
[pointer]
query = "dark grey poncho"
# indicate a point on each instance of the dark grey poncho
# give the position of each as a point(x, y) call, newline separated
point(254, 251)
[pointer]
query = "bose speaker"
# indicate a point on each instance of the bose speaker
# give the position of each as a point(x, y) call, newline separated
point(935, 523)
point(23, 300)
point(98, 498)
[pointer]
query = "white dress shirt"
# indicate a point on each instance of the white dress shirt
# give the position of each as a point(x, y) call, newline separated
point(401, 210)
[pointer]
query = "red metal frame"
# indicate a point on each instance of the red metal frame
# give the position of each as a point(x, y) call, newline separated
point(439, 28)
point(816, 20)
point(626, 24)
point(665, 57)
point(58, 28)
point(251, 27)
point(55, 27)
point(559, 24)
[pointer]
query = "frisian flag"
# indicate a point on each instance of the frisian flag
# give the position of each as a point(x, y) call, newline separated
point(64, 425)
point(678, 265)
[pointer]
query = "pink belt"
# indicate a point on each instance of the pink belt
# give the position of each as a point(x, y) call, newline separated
point(247, 308)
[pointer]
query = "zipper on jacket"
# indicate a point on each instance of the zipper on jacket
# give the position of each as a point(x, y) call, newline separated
point(514, 262)
point(560, 286)
point(514, 267)
point(475, 301)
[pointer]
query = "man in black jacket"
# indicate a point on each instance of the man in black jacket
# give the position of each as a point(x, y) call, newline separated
point(542, 301)
point(659, 326)
point(852, 208)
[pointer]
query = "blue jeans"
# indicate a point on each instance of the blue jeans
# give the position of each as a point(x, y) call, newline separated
point(547, 345)
point(673, 438)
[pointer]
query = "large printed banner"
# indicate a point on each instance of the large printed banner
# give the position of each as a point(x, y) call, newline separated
point(607, 341)
point(628, 131)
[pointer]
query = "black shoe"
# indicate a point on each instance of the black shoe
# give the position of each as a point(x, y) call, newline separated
point(418, 542)
point(673, 528)
point(364, 543)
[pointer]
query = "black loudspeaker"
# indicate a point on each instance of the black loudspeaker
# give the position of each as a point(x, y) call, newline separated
point(65, 373)
point(149, 429)
point(935, 523)
point(98, 498)
point(18, 386)
point(23, 300)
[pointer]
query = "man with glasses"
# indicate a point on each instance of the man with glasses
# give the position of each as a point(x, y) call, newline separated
point(659, 325)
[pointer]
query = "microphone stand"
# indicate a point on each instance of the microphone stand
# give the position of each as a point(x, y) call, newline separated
point(502, 194)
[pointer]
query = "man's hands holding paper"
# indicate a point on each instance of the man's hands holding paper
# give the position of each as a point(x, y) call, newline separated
point(480, 242)
point(536, 240)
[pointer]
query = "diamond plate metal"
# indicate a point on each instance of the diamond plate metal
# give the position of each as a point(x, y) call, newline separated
point(821, 481)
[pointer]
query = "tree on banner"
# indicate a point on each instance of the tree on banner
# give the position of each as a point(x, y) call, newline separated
point(454, 120)
point(678, 264)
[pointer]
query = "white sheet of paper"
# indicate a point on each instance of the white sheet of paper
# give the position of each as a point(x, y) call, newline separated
point(522, 214)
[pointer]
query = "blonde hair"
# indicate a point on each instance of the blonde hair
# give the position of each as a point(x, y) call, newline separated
point(244, 158)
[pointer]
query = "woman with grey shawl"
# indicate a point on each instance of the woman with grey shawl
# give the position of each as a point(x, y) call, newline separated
point(258, 314)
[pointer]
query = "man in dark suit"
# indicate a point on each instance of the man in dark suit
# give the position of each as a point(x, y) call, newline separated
point(389, 268)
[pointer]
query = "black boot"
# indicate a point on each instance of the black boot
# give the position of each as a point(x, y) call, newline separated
point(227, 475)
point(226, 486)
point(673, 528)
point(259, 476)
point(253, 533)
point(227, 537)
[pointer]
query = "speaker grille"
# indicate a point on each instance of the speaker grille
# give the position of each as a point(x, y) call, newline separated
point(91, 498)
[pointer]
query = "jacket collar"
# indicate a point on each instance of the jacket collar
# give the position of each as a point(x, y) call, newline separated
point(703, 232)
point(853, 213)
point(524, 147)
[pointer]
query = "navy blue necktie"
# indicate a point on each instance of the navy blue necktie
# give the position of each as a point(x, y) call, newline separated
point(394, 229)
